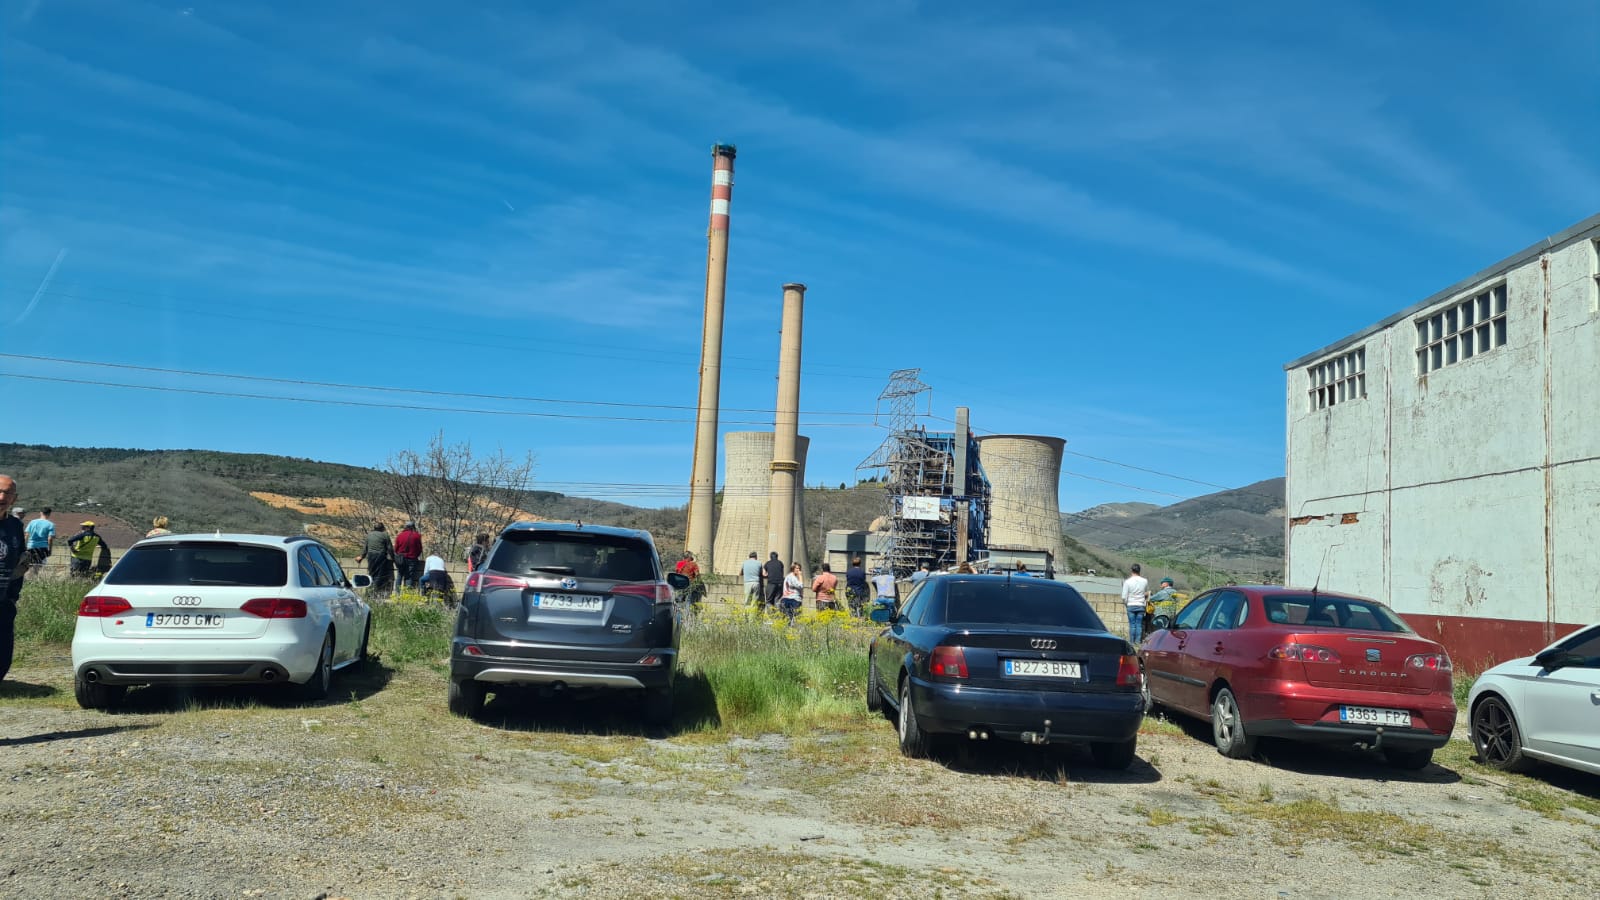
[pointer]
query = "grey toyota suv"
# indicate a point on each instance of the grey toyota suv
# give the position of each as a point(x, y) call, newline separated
point(564, 605)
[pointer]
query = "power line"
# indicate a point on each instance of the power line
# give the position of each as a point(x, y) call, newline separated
point(438, 335)
point(299, 382)
point(397, 406)
point(1137, 469)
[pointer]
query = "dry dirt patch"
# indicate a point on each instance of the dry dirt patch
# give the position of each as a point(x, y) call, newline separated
point(382, 794)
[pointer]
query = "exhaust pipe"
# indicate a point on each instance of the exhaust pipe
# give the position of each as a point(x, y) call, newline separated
point(268, 675)
point(92, 676)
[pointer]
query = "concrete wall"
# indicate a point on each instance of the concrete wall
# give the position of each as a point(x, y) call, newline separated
point(1468, 495)
point(742, 522)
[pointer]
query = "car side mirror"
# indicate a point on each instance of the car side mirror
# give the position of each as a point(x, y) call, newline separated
point(1551, 660)
point(678, 580)
point(361, 581)
point(883, 615)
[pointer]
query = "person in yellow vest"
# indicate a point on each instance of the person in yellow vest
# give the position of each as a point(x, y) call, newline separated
point(85, 547)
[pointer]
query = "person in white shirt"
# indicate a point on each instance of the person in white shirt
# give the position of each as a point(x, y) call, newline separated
point(435, 580)
point(1135, 594)
point(884, 582)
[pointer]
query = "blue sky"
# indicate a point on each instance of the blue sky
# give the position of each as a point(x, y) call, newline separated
point(1112, 223)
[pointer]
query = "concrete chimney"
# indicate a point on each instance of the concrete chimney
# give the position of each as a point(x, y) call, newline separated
point(703, 480)
point(786, 428)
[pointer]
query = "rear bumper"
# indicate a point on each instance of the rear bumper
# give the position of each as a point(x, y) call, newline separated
point(956, 709)
point(1314, 711)
point(135, 672)
point(574, 673)
point(1335, 733)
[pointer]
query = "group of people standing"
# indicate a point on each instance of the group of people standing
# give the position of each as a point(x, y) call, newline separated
point(402, 555)
point(772, 587)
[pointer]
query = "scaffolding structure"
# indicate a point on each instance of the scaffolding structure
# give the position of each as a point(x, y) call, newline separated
point(937, 513)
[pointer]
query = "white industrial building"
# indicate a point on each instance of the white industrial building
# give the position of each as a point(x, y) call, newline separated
point(1447, 459)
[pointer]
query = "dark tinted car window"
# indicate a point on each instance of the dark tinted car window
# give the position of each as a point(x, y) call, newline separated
point(581, 555)
point(1190, 616)
point(1320, 611)
point(313, 572)
point(202, 562)
point(1227, 612)
point(1587, 651)
point(1018, 603)
point(331, 563)
point(917, 604)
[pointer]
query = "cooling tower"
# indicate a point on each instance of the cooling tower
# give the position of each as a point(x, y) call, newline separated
point(1025, 480)
point(742, 526)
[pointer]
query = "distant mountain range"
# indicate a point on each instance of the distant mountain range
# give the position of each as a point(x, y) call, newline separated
point(1237, 531)
point(1230, 534)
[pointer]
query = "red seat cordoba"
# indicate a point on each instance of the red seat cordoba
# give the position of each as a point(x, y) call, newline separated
point(1311, 666)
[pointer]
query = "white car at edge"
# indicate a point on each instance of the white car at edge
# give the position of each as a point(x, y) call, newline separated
point(1544, 707)
point(190, 609)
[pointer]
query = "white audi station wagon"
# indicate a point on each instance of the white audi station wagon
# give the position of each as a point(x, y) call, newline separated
point(191, 609)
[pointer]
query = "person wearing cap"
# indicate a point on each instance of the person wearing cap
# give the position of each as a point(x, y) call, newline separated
point(1159, 601)
point(85, 549)
point(408, 555)
point(378, 553)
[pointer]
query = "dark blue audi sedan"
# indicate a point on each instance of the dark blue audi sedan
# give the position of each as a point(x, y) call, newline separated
point(975, 657)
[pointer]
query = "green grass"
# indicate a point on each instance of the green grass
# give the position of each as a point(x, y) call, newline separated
point(46, 616)
point(761, 675)
point(766, 676)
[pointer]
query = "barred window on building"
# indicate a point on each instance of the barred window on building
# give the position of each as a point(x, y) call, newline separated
point(1462, 330)
point(1338, 380)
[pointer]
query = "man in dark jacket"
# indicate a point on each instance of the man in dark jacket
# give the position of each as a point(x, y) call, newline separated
point(12, 545)
point(855, 587)
point(408, 555)
point(772, 575)
point(378, 553)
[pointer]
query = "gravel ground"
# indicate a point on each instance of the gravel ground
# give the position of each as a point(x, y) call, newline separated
point(382, 794)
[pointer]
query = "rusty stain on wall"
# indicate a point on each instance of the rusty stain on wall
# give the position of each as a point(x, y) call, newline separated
point(1456, 586)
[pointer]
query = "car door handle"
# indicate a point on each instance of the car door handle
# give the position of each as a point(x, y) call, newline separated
point(1594, 695)
point(1217, 649)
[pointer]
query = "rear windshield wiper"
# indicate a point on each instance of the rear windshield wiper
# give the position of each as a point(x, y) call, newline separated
point(221, 582)
point(553, 570)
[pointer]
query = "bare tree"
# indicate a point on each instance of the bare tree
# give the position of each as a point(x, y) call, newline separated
point(451, 493)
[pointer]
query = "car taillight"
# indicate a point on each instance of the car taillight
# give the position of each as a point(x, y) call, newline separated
point(1303, 653)
point(275, 607)
point(950, 662)
point(659, 591)
point(1128, 672)
point(480, 581)
point(1433, 662)
point(96, 607)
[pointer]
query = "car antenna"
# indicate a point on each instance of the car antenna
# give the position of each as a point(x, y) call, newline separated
point(1321, 566)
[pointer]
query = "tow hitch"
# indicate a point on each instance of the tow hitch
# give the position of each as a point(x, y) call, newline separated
point(1037, 737)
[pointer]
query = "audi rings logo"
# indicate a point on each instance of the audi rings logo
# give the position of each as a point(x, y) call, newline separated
point(185, 601)
point(1043, 644)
